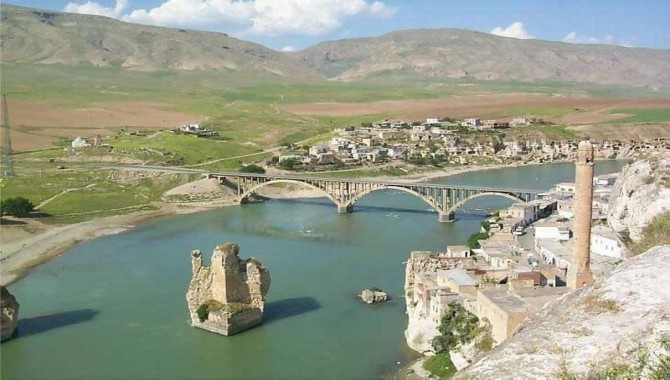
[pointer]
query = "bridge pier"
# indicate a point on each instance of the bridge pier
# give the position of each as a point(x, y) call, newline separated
point(345, 209)
point(445, 217)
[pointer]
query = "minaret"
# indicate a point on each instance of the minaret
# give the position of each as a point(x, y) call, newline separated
point(579, 273)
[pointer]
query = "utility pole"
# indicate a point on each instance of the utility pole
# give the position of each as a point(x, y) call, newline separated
point(7, 164)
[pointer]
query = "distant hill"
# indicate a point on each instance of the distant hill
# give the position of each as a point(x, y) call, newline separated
point(456, 53)
point(44, 37)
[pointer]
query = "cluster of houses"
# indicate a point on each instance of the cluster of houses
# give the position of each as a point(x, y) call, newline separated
point(448, 142)
point(521, 266)
point(196, 130)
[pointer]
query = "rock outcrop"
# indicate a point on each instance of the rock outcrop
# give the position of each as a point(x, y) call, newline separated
point(229, 296)
point(622, 323)
point(421, 328)
point(371, 296)
point(10, 314)
point(641, 193)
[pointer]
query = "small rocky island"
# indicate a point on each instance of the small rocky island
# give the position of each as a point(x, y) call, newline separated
point(373, 295)
point(227, 297)
point(10, 313)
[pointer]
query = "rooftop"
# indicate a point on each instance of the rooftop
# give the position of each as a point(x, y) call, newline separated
point(459, 276)
point(509, 302)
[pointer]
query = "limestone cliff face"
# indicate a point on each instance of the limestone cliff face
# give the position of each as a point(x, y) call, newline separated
point(640, 194)
point(10, 313)
point(614, 323)
point(421, 327)
point(228, 296)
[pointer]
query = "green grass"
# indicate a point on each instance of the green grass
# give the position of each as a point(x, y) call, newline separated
point(642, 115)
point(440, 366)
point(655, 234)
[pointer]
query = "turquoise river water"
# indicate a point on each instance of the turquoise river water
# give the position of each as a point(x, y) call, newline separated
point(114, 307)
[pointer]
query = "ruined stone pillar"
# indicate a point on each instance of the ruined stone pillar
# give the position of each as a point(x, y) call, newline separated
point(345, 209)
point(579, 273)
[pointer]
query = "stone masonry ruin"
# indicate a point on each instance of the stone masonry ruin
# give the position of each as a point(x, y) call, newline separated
point(228, 296)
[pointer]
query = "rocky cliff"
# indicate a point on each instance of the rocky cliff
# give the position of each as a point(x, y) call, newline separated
point(10, 314)
point(620, 327)
point(229, 296)
point(640, 194)
point(421, 328)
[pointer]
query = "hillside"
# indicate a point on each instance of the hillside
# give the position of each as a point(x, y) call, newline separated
point(454, 53)
point(43, 37)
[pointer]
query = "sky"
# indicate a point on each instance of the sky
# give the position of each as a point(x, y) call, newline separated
point(291, 25)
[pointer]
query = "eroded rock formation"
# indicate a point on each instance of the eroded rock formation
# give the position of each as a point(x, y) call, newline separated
point(371, 296)
point(229, 296)
point(641, 193)
point(10, 313)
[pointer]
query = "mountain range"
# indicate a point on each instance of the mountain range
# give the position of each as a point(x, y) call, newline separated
point(45, 37)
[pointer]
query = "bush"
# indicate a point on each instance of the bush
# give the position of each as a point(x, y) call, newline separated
point(473, 242)
point(457, 327)
point(203, 312)
point(440, 366)
point(252, 169)
point(17, 206)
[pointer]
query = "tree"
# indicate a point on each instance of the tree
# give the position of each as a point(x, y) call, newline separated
point(252, 169)
point(288, 163)
point(17, 206)
point(473, 239)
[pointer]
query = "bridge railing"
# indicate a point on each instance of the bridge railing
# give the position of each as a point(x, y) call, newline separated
point(374, 182)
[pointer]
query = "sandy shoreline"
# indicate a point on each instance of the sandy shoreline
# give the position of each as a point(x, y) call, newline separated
point(19, 256)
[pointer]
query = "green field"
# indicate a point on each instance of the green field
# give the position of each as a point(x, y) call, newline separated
point(643, 115)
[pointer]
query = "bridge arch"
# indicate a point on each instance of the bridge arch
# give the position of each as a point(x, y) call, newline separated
point(460, 203)
point(360, 195)
point(247, 193)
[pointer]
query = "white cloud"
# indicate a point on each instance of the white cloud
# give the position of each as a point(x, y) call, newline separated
point(575, 38)
point(259, 17)
point(514, 30)
point(288, 48)
point(92, 8)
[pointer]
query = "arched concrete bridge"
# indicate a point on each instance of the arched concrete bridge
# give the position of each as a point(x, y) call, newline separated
point(444, 199)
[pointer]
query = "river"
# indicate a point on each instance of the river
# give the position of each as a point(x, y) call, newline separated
point(115, 307)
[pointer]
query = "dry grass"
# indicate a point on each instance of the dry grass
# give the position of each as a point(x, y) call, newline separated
point(594, 304)
point(657, 233)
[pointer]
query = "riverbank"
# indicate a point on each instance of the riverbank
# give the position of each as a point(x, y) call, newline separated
point(22, 251)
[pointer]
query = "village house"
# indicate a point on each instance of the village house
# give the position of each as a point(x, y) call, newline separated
point(471, 122)
point(519, 120)
point(432, 121)
point(504, 311)
point(457, 281)
point(552, 229)
point(80, 142)
point(457, 251)
point(197, 129)
point(604, 242)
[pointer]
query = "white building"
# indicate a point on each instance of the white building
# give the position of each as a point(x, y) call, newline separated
point(432, 121)
point(80, 143)
point(317, 150)
point(604, 242)
point(558, 231)
point(458, 251)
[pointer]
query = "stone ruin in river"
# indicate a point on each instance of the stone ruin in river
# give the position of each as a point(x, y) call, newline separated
point(229, 296)
point(10, 314)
